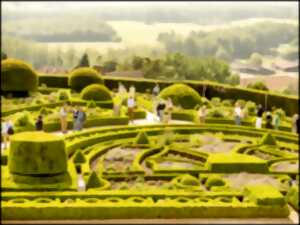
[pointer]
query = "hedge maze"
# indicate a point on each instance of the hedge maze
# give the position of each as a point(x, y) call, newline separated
point(113, 170)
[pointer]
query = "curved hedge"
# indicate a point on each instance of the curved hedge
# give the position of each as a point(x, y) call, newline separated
point(37, 153)
point(96, 92)
point(82, 77)
point(16, 75)
point(182, 94)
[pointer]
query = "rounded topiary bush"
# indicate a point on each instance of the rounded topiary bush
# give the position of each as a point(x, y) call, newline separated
point(214, 180)
point(96, 92)
point(37, 154)
point(82, 77)
point(189, 180)
point(16, 75)
point(182, 95)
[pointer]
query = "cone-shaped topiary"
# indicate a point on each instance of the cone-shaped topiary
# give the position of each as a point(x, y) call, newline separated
point(96, 92)
point(93, 181)
point(214, 180)
point(189, 180)
point(182, 94)
point(16, 75)
point(268, 139)
point(82, 77)
point(79, 157)
point(142, 138)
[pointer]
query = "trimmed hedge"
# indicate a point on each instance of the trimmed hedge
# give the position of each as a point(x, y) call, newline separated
point(37, 153)
point(82, 77)
point(235, 163)
point(16, 75)
point(182, 94)
point(96, 92)
point(288, 103)
point(264, 195)
point(293, 196)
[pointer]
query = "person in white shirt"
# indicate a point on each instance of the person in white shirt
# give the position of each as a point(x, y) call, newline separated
point(202, 114)
point(130, 106)
point(237, 114)
point(6, 131)
point(63, 113)
point(132, 91)
point(156, 90)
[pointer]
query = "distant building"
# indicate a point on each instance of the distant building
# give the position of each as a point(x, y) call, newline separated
point(285, 65)
point(129, 73)
point(250, 69)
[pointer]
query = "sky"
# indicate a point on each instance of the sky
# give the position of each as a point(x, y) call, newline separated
point(80, 5)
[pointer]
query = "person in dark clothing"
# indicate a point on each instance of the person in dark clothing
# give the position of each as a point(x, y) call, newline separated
point(160, 110)
point(39, 123)
point(75, 116)
point(269, 120)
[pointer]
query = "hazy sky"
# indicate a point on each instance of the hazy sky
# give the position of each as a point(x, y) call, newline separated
point(79, 5)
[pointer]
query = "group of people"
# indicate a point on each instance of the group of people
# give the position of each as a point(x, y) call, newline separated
point(79, 117)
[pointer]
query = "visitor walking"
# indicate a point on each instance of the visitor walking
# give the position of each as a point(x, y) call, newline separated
point(81, 118)
point(75, 116)
point(259, 114)
point(169, 109)
point(160, 109)
point(130, 106)
point(39, 123)
point(156, 90)
point(269, 120)
point(237, 114)
point(295, 127)
point(6, 130)
point(202, 113)
point(132, 91)
point(63, 113)
point(276, 120)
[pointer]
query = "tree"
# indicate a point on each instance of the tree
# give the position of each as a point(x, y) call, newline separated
point(258, 85)
point(256, 59)
point(110, 66)
point(99, 60)
point(84, 61)
point(222, 54)
point(233, 79)
point(3, 55)
point(137, 62)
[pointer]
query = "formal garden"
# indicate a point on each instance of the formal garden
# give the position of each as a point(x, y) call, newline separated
point(114, 169)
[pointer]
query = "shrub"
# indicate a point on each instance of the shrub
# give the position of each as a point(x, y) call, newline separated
point(24, 119)
point(293, 196)
point(37, 153)
point(215, 101)
point(281, 113)
point(16, 75)
point(182, 94)
point(93, 181)
point(79, 157)
point(142, 138)
point(63, 95)
point(215, 112)
point(189, 180)
point(227, 102)
point(82, 77)
point(214, 180)
point(258, 85)
point(251, 107)
point(264, 194)
point(91, 104)
point(45, 111)
point(241, 102)
point(96, 92)
point(268, 139)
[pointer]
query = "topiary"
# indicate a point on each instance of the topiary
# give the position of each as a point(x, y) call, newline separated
point(96, 92)
point(16, 75)
point(24, 120)
point(63, 95)
point(268, 139)
point(91, 104)
point(251, 107)
point(183, 95)
point(79, 157)
point(189, 180)
point(142, 138)
point(215, 101)
point(214, 180)
point(93, 181)
point(217, 113)
point(82, 77)
point(37, 154)
point(227, 102)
